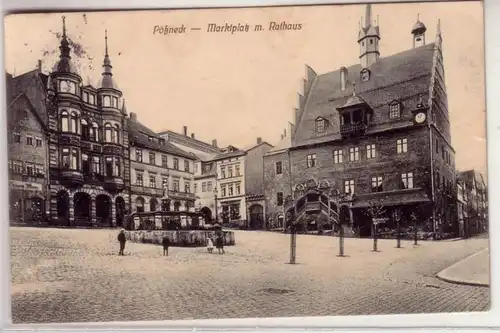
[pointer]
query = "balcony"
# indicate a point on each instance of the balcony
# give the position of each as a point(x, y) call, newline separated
point(71, 177)
point(350, 130)
point(67, 138)
point(113, 184)
point(112, 148)
point(313, 206)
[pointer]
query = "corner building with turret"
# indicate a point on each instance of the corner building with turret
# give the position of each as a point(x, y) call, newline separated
point(373, 134)
point(87, 146)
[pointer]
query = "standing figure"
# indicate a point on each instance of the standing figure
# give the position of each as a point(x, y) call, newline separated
point(122, 240)
point(219, 243)
point(166, 243)
point(210, 244)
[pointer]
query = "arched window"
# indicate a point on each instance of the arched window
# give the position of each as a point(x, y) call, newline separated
point(117, 134)
point(64, 121)
point(85, 130)
point(74, 122)
point(108, 133)
point(106, 101)
point(94, 132)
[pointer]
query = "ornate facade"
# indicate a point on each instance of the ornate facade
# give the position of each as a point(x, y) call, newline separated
point(88, 146)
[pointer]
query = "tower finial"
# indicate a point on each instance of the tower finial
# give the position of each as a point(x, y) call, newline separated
point(418, 17)
point(64, 25)
point(106, 40)
point(439, 26)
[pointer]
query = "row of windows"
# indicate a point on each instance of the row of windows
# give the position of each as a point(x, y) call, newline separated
point(164, 160)
point(445, 154)
point(70, 159)
point(230, 171)
point(205, 187)
point(232, 189)
point(394, 113)
point(30, 169)
point(30, 140)
point(70, 87)
point(377, 185)
point(353, 154)
point(154, 179)
point(71, 123)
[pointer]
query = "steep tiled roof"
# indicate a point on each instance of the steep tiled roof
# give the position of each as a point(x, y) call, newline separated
point(139, 135)
point(401, 76)
point(201, 155)
point(23, 82)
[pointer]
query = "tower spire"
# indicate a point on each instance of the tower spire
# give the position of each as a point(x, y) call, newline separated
point(368, 16)
point(64, 47)
point(107, 62)
point(106, 41)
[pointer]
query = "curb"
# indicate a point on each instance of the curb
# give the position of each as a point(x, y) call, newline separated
point(450, 279)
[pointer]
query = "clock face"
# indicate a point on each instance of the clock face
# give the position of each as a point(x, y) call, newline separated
point(420, 117)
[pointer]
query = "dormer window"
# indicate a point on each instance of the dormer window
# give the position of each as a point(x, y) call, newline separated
point(162, 141)
point(394, 110)
point(365, 75)
point(320, 125)
point(150, 139)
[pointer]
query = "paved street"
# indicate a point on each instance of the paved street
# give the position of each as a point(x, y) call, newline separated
point(75, 275)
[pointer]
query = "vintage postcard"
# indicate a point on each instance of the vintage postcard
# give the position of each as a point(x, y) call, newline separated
point(247, 162)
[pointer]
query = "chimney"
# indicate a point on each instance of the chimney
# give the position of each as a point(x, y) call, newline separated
point(192, 135)
point(282, 136)
point(214, 143)
point(185, 130)
point(133, 116)
point(343, 78)
point(284, 132)
point(39, 67)
point(259, 141)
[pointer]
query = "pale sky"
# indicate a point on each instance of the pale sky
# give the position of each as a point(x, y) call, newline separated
point(237, 87)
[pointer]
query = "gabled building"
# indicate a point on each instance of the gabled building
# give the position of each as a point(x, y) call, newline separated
point(254, 184)
point(205, 173)
point(474, 202)
point(27, 147)
point(376, 133)
point(277, 180)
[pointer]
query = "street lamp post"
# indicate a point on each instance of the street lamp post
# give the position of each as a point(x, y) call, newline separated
point(415, 236)
point(293, 243)
point(397, 218)
point(215, 200)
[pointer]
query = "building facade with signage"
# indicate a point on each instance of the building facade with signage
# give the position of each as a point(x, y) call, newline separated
point(230, 193)
point(205, 174)
point(474, 202)
point(27, 148)
point(161, 173)
point(374, 134)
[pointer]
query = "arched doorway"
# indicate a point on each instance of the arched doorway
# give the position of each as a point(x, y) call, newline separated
point(139, 204)
point(207, 214)
point(34, 209)
point(83, 206)
point(103, 210)
point(120, 211)
point(256, 217)
point(153, 205)
point(63, 207)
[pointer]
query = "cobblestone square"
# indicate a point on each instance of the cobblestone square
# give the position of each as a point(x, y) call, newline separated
point(63, 275)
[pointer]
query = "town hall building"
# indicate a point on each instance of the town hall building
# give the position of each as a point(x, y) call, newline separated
point(374, 134)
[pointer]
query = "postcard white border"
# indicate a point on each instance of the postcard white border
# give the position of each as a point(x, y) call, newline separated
point(399, 323)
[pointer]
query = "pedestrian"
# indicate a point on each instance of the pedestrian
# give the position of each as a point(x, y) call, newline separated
point(219, 243)
point(210, 244)
point(165, 242)
point(122, 240)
